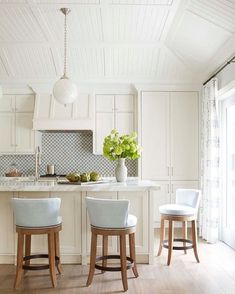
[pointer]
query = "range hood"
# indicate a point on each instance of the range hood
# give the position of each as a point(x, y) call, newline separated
point(49, 115)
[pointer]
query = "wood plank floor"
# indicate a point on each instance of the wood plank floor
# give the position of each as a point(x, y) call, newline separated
point(214, 275)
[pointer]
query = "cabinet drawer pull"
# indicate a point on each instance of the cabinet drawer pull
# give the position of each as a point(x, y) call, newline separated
point(172, 170)
point(168, 188)
point(168, 170)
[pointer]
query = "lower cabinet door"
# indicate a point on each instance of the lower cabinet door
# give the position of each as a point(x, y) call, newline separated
point(139, 208)
point(112, 243)
point(39, 242)
point(70, 236)
point(7, 228)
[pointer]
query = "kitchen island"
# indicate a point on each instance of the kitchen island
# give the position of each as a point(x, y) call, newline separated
point(75, 235)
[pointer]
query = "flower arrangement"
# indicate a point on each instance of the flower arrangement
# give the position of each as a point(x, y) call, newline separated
point(125, 146)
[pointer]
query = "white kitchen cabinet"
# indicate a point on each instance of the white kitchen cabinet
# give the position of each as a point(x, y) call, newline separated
point(24, 135)
point(169, 132)
point(184, 135)
point(7, 228)
point(112, 244)
point(112, 112)
point(139, 208)
point(16, 123)
point(7, 131)
point(169, 137)
point(70, 240)
point(155, 158)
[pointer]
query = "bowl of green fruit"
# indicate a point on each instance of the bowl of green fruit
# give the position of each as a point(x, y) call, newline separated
point(73, 177)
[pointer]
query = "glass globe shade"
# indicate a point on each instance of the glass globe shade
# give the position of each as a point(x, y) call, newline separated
point(65, 91)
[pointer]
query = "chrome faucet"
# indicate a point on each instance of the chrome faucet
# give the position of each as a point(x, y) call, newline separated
point(37, 162)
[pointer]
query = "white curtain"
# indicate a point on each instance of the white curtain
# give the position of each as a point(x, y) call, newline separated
point(210, 164)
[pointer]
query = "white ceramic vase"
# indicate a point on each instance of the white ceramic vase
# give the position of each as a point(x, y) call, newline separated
point(121, 170)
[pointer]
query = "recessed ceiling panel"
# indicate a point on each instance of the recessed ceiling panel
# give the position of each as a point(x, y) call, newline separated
point(134, 23)
point(131, 62)
point(219, 12)
point(196, 40)
point(143, 2)
point(83, 23)
point(3, 71)
point(67, 1)
point(172, 69)
point(18, 24)
point(83, 62)
point(29, 62)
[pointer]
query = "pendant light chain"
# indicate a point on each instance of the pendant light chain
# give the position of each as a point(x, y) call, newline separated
point(65, 45)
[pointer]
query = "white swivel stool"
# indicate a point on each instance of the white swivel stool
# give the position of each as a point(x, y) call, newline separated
point(36, 217)
point(111, 218)
point(185, 209)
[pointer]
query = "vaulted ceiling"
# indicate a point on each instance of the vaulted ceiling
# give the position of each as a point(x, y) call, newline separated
point(154, 41)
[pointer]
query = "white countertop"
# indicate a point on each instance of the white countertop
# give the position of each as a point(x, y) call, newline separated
point(110, 184)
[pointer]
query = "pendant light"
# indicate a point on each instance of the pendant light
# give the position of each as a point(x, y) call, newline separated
point(65, 91)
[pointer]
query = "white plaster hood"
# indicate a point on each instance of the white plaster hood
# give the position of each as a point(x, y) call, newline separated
point(49, 115)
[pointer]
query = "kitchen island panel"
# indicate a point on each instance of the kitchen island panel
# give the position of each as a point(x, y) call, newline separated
point(139, 208)
point(70, 236)
point(7, 229)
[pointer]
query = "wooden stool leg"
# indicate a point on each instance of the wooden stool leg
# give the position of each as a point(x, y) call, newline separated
point(184, 233)
point(132, 253)
point(51, 253)
point(105, 250)
point(162, 236)
point(57, 252)
point(123, 261)
point(194, 239)
point(19, 269)
point(92, 258)
point(170, 241)
point(27, 249)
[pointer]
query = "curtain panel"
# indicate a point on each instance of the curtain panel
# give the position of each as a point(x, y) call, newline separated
point(210, 164)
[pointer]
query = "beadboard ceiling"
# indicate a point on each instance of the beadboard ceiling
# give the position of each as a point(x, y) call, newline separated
point(153, 41)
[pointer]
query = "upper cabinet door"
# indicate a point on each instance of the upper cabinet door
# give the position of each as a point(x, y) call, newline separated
point(124, 123)
point(184, 135)
point(24, 103)
point(7, 132)
point(103, 126)
point(104, 103)
point(124, 103)
point(25, 141)
point(155, 135)
point(7, 103)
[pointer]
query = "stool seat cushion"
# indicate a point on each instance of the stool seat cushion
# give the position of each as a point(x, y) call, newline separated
point(177, 209)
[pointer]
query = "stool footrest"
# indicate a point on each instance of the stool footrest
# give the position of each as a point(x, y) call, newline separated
point(34, 267)
point(113, 269)
point(165, 242)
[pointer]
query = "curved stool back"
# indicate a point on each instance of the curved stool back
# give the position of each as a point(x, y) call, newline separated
point(190, 197)
point(111, 218)
point(36, 212)
point(185, 209)
point(37, 217)
point(108, 213)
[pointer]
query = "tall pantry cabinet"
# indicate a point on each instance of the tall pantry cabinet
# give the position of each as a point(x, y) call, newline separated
point(169, 137)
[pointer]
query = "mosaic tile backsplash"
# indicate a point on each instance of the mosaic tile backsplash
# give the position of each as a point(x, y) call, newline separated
point(68, 152)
